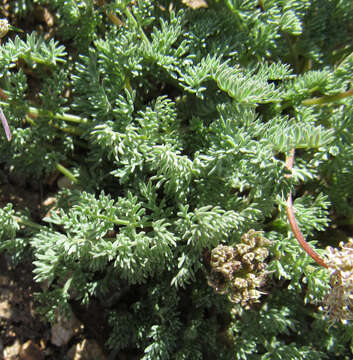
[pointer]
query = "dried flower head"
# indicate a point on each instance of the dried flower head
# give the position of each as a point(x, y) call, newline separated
point(4, 27)
point(239, 270)
point(339, 302)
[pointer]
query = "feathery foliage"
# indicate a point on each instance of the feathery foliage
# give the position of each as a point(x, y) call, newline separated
point(172, 126)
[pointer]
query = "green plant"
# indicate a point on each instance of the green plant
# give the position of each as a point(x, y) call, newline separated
point(173, 126)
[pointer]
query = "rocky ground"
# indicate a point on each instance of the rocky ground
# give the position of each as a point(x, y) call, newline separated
point(24, 335)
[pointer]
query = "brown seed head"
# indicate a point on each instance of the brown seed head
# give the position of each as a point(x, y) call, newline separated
point(339, 302)
point(239, 270)
point(4, 27)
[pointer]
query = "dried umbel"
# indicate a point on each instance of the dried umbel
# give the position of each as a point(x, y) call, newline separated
point(239, 270)
point(4, 27)
point(339, 302)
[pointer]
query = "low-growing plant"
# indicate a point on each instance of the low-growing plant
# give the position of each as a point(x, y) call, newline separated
point(175, 129)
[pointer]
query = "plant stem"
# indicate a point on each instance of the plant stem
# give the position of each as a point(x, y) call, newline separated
point(124, 222)
point(327, 98)
point(67, 173)
point(114, 221)
point(133, 20)
point(293, 222)
point(70, 130)
point(35, 112)
point(38, 60)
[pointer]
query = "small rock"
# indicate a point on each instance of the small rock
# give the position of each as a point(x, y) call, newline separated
point(86, 350)
point(31, 351)
point(49, 201)
point(12, 352)
point(5, 310)
point(64, 329)
point(4, 280)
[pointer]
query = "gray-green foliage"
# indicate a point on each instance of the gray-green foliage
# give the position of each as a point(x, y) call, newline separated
point(176, 124)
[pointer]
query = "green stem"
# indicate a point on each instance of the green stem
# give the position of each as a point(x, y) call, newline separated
point(133, 20)
point(69, 118)
point(39, 60)
point(33, 111)
point(293, 52)
point(341, 52)
point(238, 18)
point(327, 98)
point(131, 244)
point(67, 173)
point(114, 221)
point(124, 222)
point(70, 130)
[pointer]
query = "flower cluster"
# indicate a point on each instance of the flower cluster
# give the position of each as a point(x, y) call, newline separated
point(239, 270)
point(339, 302)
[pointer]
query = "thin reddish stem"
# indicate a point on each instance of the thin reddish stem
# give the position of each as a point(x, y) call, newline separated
point(293, 222)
